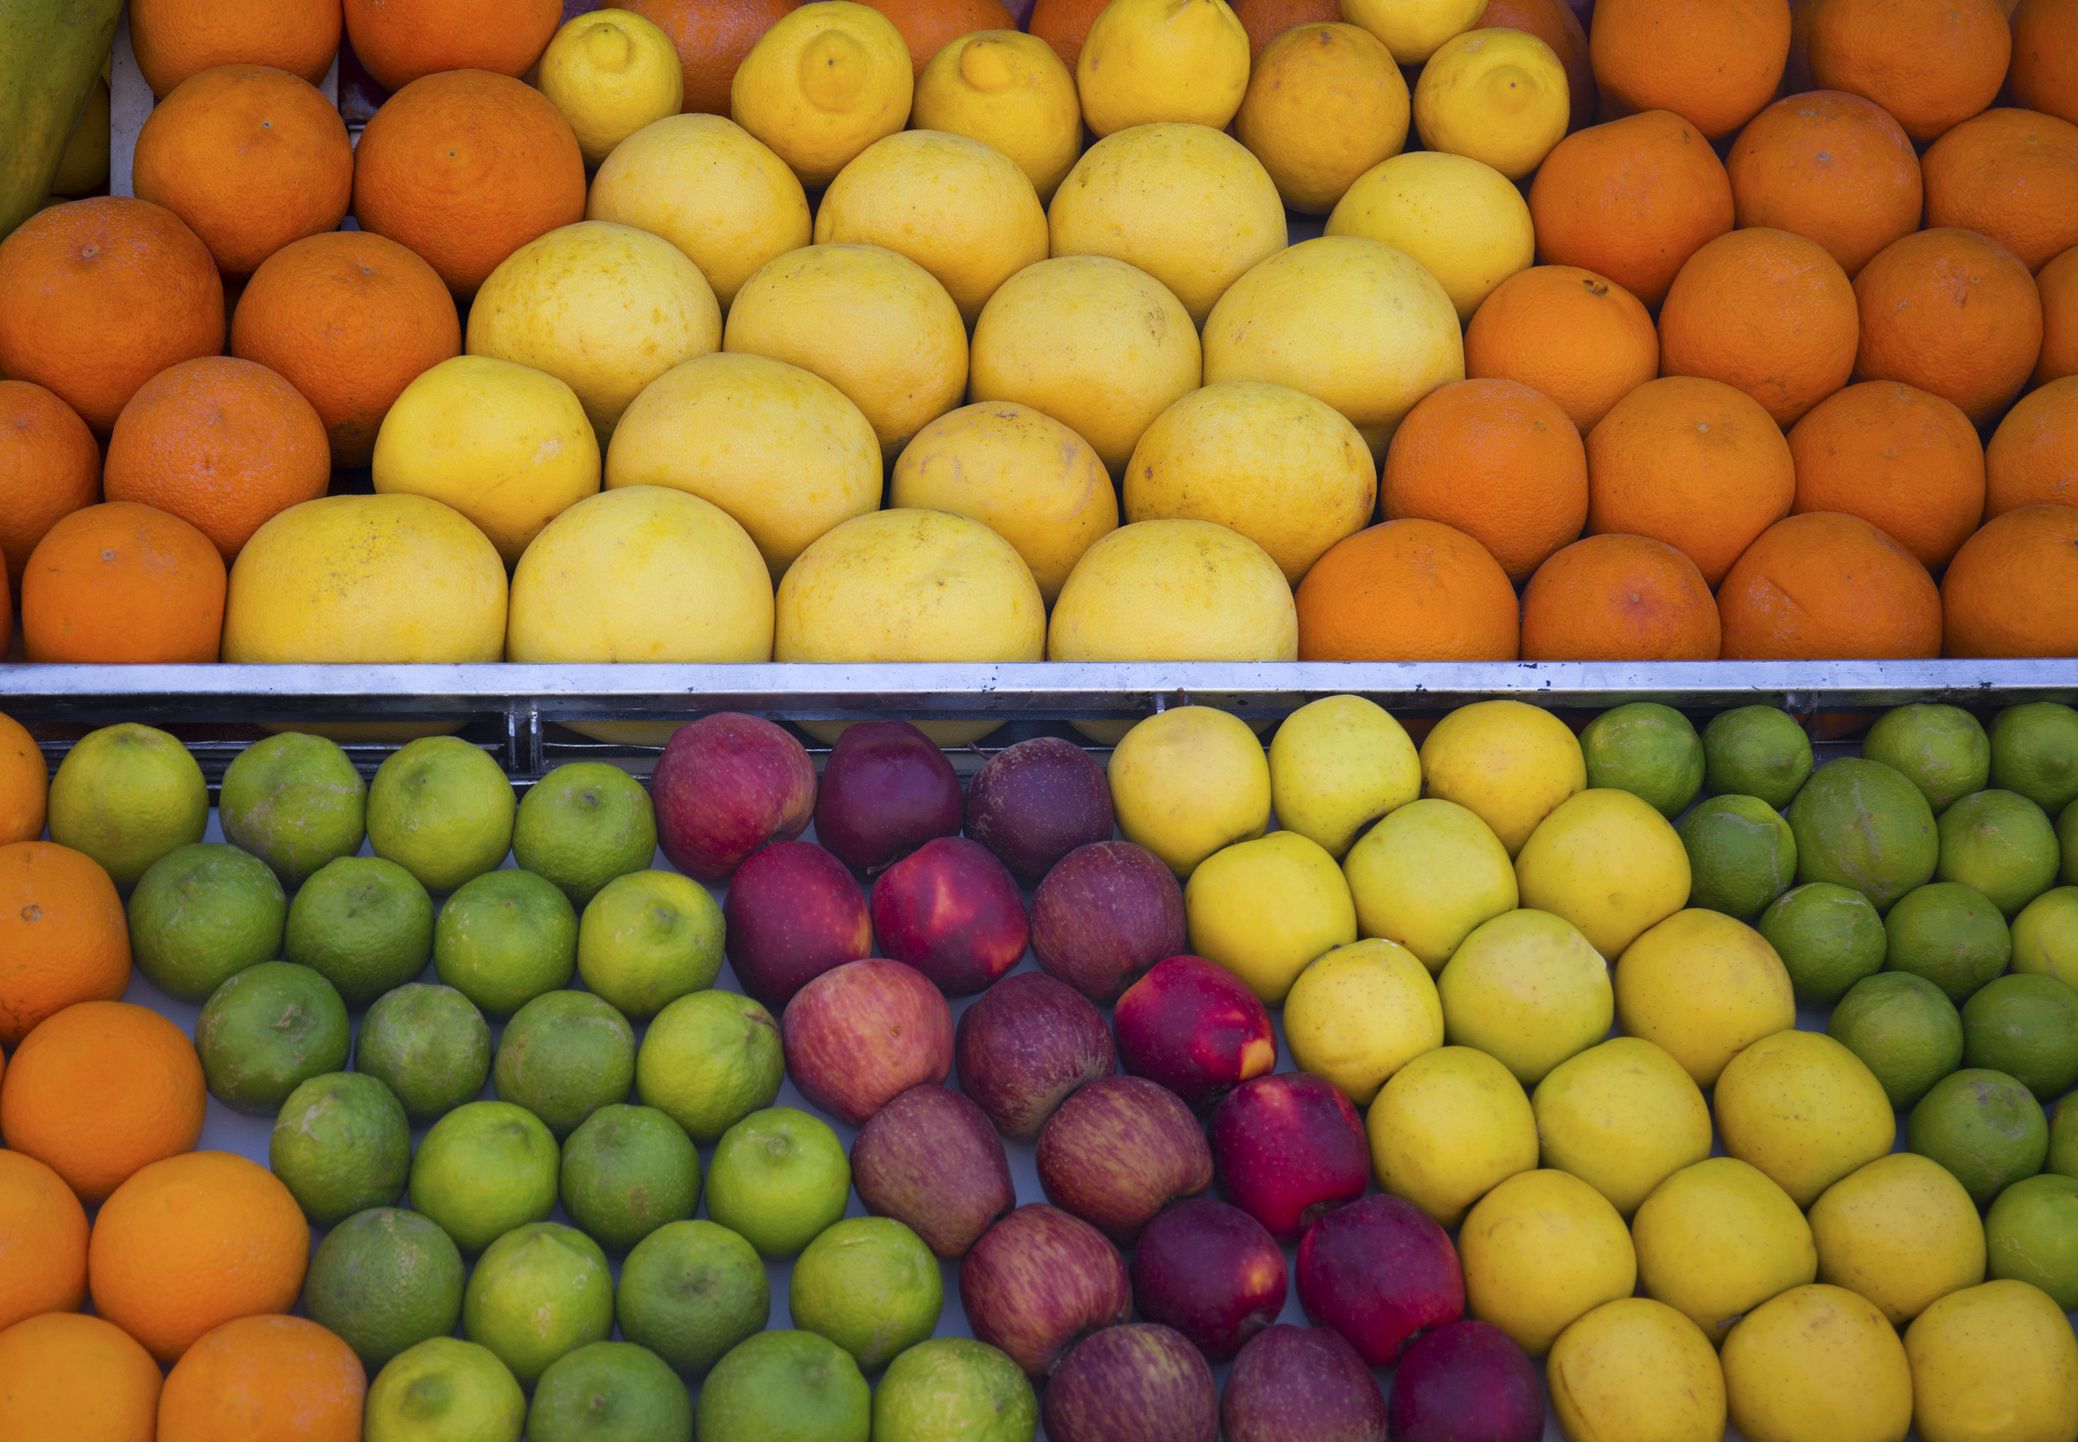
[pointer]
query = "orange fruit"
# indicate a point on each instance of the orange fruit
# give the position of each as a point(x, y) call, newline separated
point(178, 38)
point(1632, 200)
point(1767, 311)
point(1829, 166)
point(712, 37)
point(2044, 71)
point(1065, 24)
point(464, 168)
point(76, 1378)
point(49, 468)
point(264, 1379)
point(223, 443)
point(1619, 598)
point(24, 783)
point(1828, 587)
point(1952, 312)
point(2033, 456)
point(1407, 590)
point(2056, 284)
point(2011, 175)
point(121, 582)
point(2008, 591)
point(1714, 63)
point(1903, 459)
point(1557, 25)
point(1930, 63)
point(397, 41)
point(63, 938)
point(1497, 460)
point(1265, 20)
point(928, 26)
point(1578, 337)
point(102, 295)
point(43, 1241)
point(1695, 463)
point(192, 1242)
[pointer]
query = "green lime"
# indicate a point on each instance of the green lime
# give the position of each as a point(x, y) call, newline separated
point(126, 795)
point(1950, 935)
point(870, 1285)
point(953, 1387)
point(1861, 824)
point(708, 1061)
point(1756, 751)
point(610, 1392)
point(564, 1055)
point(2027, 1027)
point(649, 938)
point(442, 809)
point(1828, 936)
point(444, 1390)
point(504, 939)
point(1646, 749)
point(626, 1172)
point(779, 1177)
point(296, 802)
point(1905, 1030)
point(689, 1291)
point(2045, 935)
point(266, 1030)
point(2063, 1140)
point(537, 1292)
point(483, 1169)
point(2001, 844)
point(2034, 750)
point(2067, 843)
point(429, 1045)
point(785, 1387)
point(2031, 1235)
point(1741, 855)
point(384, 1280)
point(201, 913)
point(341, 1145)
point(1984, 1126)
point(582, 825)
point(1940, 749)
point(364, 923)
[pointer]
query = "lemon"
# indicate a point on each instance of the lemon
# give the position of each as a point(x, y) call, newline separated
point(1413, 29)
point(777, 447)
point(611, 73)
point(508, 446)
point(1325, 103)
point(1497, 96)
point(1174, 591)
point(1817, 1361)
point(1360, 1013)
point(1337, 765)
point(2045, 935)
point(1463, 220)
point(1623, 1117)
point(1608, 863)
point(1447, 1128)
point(1636, 1370)
point(1717, 1239)
point(1703, 986)
point(1266, 907)
point(1997, 1360)
point(1901, 1231)
point(1187, 781)
point(1509, 762)
point(1426, 875)
point(1528, 990)
point(1804, 1110)
point(1009, 91)
point(441, 1388)
point(822, 84)
point(127, 795)
point(1540, 1251)
point(1151, 60)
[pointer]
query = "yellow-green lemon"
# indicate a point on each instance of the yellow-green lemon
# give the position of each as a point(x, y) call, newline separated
point(1901, 1231)
point(1717, 1239)
point(1360, 1013)
point(1803, 1109)
point(1623, 1117)
point(1265, 908)
point(1447, 1128)
point(1817, 1361)
point(1337, 765)
point(1426, 875)
point(1540, 1251)
point(1703, 986)
point(1607, 862)
point(1527, 989)
point(1188, 781)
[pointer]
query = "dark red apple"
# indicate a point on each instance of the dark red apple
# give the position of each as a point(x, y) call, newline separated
point(726, 785)
point(857, 1037)
point(1209, 1270)
point(1379, 1271)
point(1466, 1382)
point(931, 1160)
point(1118, 1150)
point(792, 913)
point(1136, 1383)
point(1104, 914)
point(1301, 1384)
point(1025, 1045)
point(1033, 803)
point(887, 789)
point(1038, 1280)
point(1289, 1148)
point(952, 911)
point(1196, 1028)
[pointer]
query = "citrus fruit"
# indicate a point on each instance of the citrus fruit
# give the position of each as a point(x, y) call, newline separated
point(2034, 751)
point(45, 1247)
point(1634, 1369)
point(1886, 51)
point(870, 1285)
point(822, 84)
point(2027, 462)
point(1413, 32)
point(266, 1029)
point(53, 468)
point(1999, 592)
point(582, 825)
point(1900, 1231)
point(445, 1387)
point(628, 1170)
point(2000, 844)
point(174, 39)
point(1741, 855)
point(122, 582)
point(126, 795)
point(1663, 996)
point(712, 37)
point(708, 1060)
point(504, 939)
point(1949, 934)
point(1715, 65)
point(1848, 449)
point(1266, 20)
point(1984, 1127)
point(1608, 863)
point(1266, 907)
point(2058, 284)
point(2026, 1027)
point(1508, 762)
point(341, 1144)
point(385, 1280)
point(1187, 782)
point(399, 43)
point(1905, 1030)
point(296, 802)
point(1756, 751)
point(609, 1392)
point(537, 1293)
point(443, 810)
point(610, 73)
point(1578, 337)
point(2031, 1235)
point(1940, 749)
point(1622, 1116)
point(1149, 61)
point(65, 940)
point(1337, 765)
point(648, 938)
point(1817, 1356)
point(1718, 1238)
point(259, 1378)
point(2007, 174)
point(1541, 1250)
point(1011, 93)
point(24, 783)
point(1527, 989)
point(778, 1178)
point(484, 1169)
point(63, 1375)
point(564, 1055)
point(2045, 935)
point(1915, 327)
point(1861, 824)
point(1426, 876)
point(785, 1386)
point(1804, 1110)
point(1619, 598)
point(954, 1387)
point(1323, 106)
point(429, 1045)
point(1447, 1127)
point(202, 912)
point(1646, 749)
point(691, 1290)
point(364, 924)
point(1360, 1013)
point(1828, 936)
point(928, 25)
point(2041, 74)
point(1498, 96)
point(1459, 217)
point(2063, 1141)
point(2004, 1330)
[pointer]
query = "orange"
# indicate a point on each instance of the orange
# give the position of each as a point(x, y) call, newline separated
point(68, 1378)
point(1952, 312)
point(223, 443)
point(1408, 590)
point(2008, 591)
point(1828, 587)
point(63, 938)
point(1632, 200)
point(178, 38)
point(43, 1241)
point(1265, 20)
point(1829, 166)
point(264, 1379)
point(24, 783)
point(1065, 24)
point(2056, 284)
point(398, 41)
point(49, 468)
point(1619, 598)
point(192, 1242)
point(1903, 459)
point(1695, 463)
point(464, 168)
point(1714, 63)
point(712, 37)
point(102, 295)
point(1497, 460)
point(1578, 337)
point(1555, 23)
point(122, 582)
point(928, 26)
point(2011, 175)
point(1931, 63)
point(2033, 456)
point(2044, 72)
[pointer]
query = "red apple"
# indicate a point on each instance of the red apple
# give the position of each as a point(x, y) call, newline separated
point(1136, 1383)
point(1289, 1148)
point(953, 912)
point(1466, 1382)
point(1104, 914)
point(1033, 803)
point(1210, 1271)
point(792, 913)
point(930, 1160)
point(1025, 1045)
point(1119, 1150)
point(1038, 1280)
point(1379, 1271)
point(726, 785)
point(1301, 1384)
point(1196, 1028)
point(857, 1037)
point(887, 789)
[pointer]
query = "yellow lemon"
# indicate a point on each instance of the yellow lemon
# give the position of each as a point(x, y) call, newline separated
point(1636, 1370)
point(1265, 908)
point(1185, 203)
point(1498, 96)
point(781, 450)
point(1994, 1363)
point(822, 84)
point(1360, 1013)
point(1009, 91)
point(1509, 762)
point(1900, 1230)
point(712, 189)
point(1528, 990)
point(1623, 1117)
point(962, 211)
point(1174, 591)
point(1097, 344)
point(1187, 781)
point(1608, 863)
point(1540, 1251)
point(1283, 469)
point(1717, 1239)
point(872, 323)
point(1803, 1109)
point(611, 73)
point(1414, 29)
point(604, 307)
point(509, 447)
point(1447, 1128)
point(1703, 986)
point(1463, 220)
point(1426, 875)
point(1022, 474)
point(1325, 103)
point(1817, 1361)
point(1337, 765)
point(1148, 60)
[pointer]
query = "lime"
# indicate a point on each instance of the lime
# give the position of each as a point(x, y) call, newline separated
point(296, 802)
point(779, 1177)
point(483, 1169)
point(610, 1392)
point(444, 1390)
point(564, 1055)
point(1741, 855)
point(2027, 1027)
point(689, 1291)
point(537, 1292)
point(2045, 935)
point(1646, 749)
point(429, 1045)
point(785, 1387)
point(1940, 749)
point(267, 1029)
point(2067, 843)
point(1950, 935)
point(648, 938)
point(2031, 1235)
point(2001, 844)
point(708, 1061)
point(201, 913)
point(126, 795)
point(364, 923)
point(584, 824)
point(1756, 751)
point(1984, 1126)
point(2063, 1140)
point(442, 809)
point(1861, 824)
point(953, 1387)
point(341, 1145)
point(1904, 1029)
point(870, 1285)
point(504, 939)
point(626, 1172)
point(2034, 751)
point(1828, 936)
point(384, 1280)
